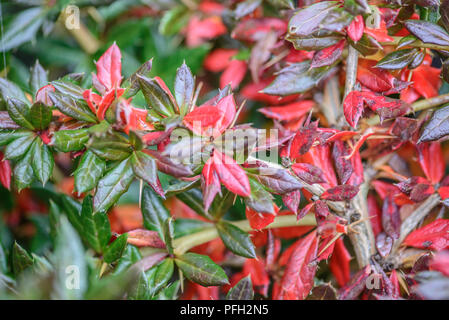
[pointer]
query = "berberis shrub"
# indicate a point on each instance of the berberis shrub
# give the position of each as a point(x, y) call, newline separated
point(305, 160)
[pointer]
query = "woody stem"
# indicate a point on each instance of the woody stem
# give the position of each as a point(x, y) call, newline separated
point(82, 35)
point(185, 243)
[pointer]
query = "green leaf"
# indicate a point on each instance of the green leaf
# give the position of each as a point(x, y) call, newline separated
point(72, 208)
point(70, 263)
point(115, 183)
point(38, 77)
point(22, 28)
point(169, 293)
point(184, 86)
point(3, 261)
point(23, 172)
point(153, 211)
point(261, 200)
point(186, 226)
point(116, 249)
point(9, 89)
point(133, 83)
point(70, 89)
point(145, 167)
point(243, 290)
point(111, 147)
point(141, 290)
point(194, 199)
point(89, 172)
point(236, 240)
point(398, 59)
point(155, 96)
point(8, 136)
point(40, 116)
point(173, 20)
point(169, 234)
point(321, 16)
point(21, 260)
point(19, 146)
point(54, 214)
point(96, 227)
point(74, 108)
point(201, 269)
point(70, 140)
point(43, 162)
point(19, 112)
point(163, 274)
point(428, 32)
point(297, 78)
point(129, 257)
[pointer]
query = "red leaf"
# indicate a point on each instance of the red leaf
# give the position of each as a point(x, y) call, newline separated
point(441, 263)
point(305, 210)
point(353, 107)
point(5, 172)
point(328, 56)
point(303, 140)
point(202, 120)
point(145, 238)
point(253, 90)
point(375, 214)
point(391, 220)
point(109, 68)
point(431, 160)
point(258, 220)
point(254, 29)
point(219, 59)
point(198, 30)
point(339, 263)
point(384, 243)
point(288, 112)
point(42, 94)
point(381, 33)
point(309, 173)
point(320, 156)
point(340, 193)
point(210, 184)
point(292, 200)
point(300, 271)
point(227, 107)
point(355, 287)
point(233, 74)
point(356, 28)
point(343, 166)
point(231, 175)
point(376, 79)
point(434, 236)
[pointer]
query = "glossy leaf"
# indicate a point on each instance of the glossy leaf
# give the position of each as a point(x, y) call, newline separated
point(43, 162)
point(116, 249)
point(236, 239)
point(428, 32)
point(115, 183)
point(70, 140)
point(434, 236)
point(89, 172)
point(243, 290)
point(19, 112)
point(201, 269)
point(145, 168)
point(40, 116)
point(154, 212)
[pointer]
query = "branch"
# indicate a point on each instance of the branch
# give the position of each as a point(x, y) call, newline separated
point(185, 243)
point(82, 35)
point(413, 220)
